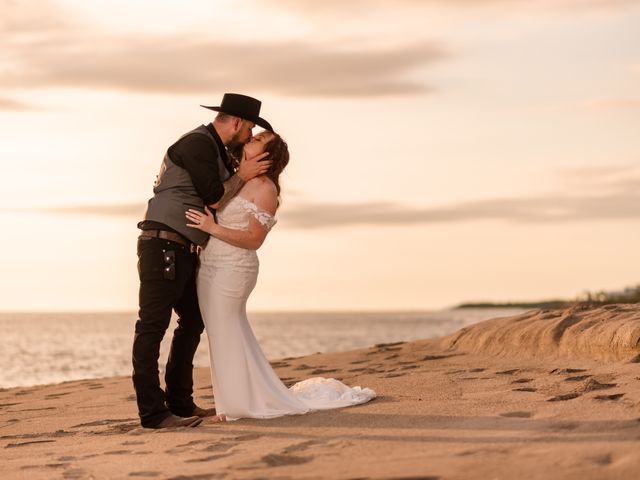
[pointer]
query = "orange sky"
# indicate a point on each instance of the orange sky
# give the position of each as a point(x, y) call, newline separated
point(442, 151)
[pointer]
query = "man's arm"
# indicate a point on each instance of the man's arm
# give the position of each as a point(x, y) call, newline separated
point(194, 154)
point(249, 168)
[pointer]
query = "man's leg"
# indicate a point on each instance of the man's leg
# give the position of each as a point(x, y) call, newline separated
point(158, 296)
point(186, 337)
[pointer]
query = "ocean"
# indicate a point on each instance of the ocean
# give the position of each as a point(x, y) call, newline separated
point(45, 348)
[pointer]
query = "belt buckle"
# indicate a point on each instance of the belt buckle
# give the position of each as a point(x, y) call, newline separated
point(193, 248)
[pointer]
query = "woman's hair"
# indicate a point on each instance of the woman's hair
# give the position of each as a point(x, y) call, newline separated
point(279, 157)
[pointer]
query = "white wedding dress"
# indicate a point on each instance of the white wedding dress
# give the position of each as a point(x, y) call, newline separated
point(244, 384)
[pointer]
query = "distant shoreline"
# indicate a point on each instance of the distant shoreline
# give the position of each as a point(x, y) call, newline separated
point(543, 304)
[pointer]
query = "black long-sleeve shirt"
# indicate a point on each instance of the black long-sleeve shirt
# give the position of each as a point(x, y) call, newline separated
point(199, 158)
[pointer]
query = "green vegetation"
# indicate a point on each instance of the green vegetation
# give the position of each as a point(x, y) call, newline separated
point(627, 295)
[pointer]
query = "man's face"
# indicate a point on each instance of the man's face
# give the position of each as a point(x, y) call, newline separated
point(245, 133)
point(242, 136)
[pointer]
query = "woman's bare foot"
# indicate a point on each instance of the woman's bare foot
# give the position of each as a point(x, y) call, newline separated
point(217, 418)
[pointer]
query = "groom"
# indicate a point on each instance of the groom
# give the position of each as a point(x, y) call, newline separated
point(196, 171)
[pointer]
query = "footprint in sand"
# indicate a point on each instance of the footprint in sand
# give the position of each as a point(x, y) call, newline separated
point(603, 459)
point(388, 345)
point(218, 447)
point(74, 473)
point(516, 414)
point(428, 358)
point(525, 389)
point(383, 348)
point(285, 457)
point(320, 371)
point(303, 366)
point(132, 442)
point(563, 397)
point(522, 380)
point(279, 364)
point(373, 371)
point(22, 444)
point(614, 396)
point(106, 421)
point(279, 460)
point(300, 447)
point(34, 409)
point(577, 378)
point(206, 459)
point(566, 371)
point(358, 362)
point(591, 385)
point(246, 437)
point(56, 395)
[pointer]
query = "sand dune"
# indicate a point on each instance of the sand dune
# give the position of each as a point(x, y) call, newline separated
point(537, 396)
point(609, 333)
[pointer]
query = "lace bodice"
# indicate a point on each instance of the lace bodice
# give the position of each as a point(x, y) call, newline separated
point(235, 215)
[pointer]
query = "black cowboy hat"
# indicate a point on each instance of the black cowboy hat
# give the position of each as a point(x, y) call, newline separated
point(242, 106)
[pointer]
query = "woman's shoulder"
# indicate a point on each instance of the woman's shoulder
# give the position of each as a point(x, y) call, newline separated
point(262, 184)
point(262, 192)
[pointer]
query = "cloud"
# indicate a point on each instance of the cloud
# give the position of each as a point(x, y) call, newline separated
point(293, 68)
point(611, 103)
point(9, 104)
point(50, 49)
point(341, 7)
point(617, 197)
point(528, 210)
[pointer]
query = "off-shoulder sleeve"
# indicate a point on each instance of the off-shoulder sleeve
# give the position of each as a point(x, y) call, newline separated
point(266, 219)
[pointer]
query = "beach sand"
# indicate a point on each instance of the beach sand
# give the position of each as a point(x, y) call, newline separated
point(551, 394)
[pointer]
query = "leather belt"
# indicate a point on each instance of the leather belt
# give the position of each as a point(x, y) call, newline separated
point(172, 237)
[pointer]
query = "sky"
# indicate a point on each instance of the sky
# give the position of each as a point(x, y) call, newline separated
point(441, 150)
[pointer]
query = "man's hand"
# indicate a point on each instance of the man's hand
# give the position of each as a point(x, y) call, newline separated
point(252, 167)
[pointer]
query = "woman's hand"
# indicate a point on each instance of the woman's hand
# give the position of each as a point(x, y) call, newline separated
point(201, 221)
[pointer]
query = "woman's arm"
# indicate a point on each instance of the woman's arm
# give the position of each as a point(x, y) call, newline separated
point(265, 198)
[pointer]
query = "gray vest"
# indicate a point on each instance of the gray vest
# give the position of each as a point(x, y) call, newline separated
point(174, 194)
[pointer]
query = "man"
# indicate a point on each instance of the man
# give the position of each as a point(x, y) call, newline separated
point(196, 171)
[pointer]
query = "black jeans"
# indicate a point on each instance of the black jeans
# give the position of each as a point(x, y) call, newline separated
point(159, 295)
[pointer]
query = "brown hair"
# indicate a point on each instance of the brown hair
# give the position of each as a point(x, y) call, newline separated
point(279, 157)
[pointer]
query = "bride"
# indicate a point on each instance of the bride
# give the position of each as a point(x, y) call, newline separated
point(244, 384)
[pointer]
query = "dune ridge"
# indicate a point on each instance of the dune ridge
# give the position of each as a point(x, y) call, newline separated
point(610, 333)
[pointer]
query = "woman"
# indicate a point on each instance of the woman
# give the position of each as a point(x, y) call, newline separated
point(244, 384)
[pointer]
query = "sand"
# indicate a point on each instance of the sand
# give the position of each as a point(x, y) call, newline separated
point(551, 394)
